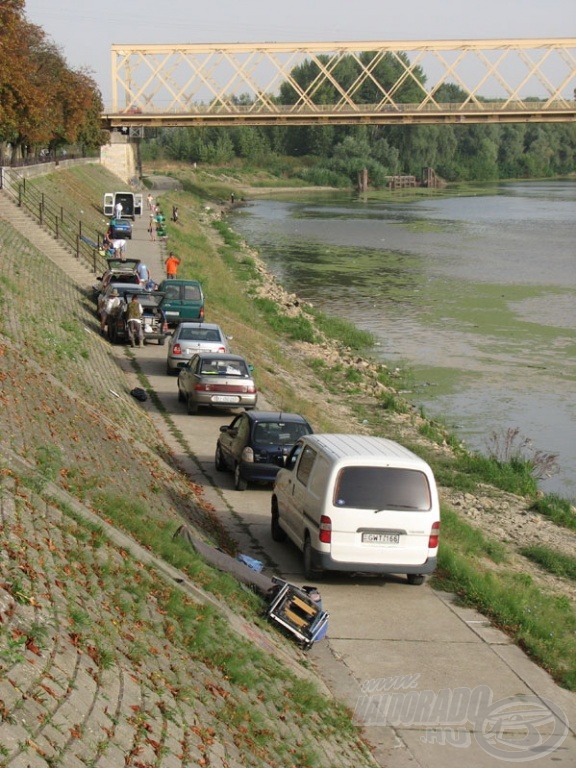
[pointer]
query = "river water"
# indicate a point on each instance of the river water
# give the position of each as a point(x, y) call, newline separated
point(475, 296)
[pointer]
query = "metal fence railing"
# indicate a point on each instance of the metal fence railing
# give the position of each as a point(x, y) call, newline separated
point(85, 244)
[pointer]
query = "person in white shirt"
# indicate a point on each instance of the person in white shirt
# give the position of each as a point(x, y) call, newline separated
point(110, 305)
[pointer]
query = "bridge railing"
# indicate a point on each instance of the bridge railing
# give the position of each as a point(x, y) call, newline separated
point(504, 106)
point(426, 112)
point(64, 226)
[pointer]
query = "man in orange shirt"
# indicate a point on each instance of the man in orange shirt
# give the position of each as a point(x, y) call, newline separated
point(171, 264)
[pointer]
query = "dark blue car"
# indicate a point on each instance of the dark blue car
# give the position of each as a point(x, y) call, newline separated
point(120, 229)
point(255, 445)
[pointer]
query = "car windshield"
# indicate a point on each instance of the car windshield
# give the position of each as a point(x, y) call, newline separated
point(279, 432)
point(382, 488)
point(222, 367)
point(122, 265)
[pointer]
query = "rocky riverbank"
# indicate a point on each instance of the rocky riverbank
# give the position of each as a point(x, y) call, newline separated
point(502, 516)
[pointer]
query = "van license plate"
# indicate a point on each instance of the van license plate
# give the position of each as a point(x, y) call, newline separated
point(381, 538)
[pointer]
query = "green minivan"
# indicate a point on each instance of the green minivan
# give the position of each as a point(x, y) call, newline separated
point(183, 301)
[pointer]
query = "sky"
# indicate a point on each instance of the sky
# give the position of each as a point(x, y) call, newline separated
point(85, 30)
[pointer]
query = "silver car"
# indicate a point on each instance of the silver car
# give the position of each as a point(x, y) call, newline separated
point(218, 381)
point(189, 338)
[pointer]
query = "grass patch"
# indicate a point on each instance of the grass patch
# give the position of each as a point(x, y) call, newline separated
point(470, 541)
point(133, 515)
point(557, 509)
point(297, 328)
point(467, 470)
point(341, 330)
point(553, 562)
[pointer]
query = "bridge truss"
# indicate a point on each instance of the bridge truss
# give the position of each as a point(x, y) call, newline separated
point(239, 84)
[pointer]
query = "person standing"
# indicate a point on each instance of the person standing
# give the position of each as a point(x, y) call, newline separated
point(134, 313)
point(143, 273)
point(150, 200)
point(172, 263)
point(112, 302)
point(119, 208)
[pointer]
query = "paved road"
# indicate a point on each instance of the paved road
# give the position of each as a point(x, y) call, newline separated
point(436, 685)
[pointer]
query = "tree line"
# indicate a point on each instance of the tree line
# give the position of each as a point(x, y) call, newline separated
point(334, 155)
point(44, 104)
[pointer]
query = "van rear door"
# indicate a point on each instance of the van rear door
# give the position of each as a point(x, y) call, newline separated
point(382, 515)
point(109, 204)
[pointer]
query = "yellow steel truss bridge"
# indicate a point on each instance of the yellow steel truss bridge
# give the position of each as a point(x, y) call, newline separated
point(400, 82)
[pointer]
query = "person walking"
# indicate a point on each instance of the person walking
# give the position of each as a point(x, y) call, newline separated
point(134, 313)
point(150, 201)
point(172, 263)
point(152, 228)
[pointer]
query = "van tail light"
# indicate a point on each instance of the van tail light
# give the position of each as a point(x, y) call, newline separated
point(434, 536)
point(325, 529)
point(176, 349)
point(201, 313)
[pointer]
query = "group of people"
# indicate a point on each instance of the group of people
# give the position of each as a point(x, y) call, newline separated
point(134, 314)
point(134, 309)
point(157, 219)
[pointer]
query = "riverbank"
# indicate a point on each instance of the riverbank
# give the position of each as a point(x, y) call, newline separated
point(300, 366)
point(341, 389)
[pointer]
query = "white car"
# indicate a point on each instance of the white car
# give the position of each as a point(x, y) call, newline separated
point(189, 338)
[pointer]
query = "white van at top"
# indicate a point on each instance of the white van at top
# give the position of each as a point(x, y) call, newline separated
point(357, 503)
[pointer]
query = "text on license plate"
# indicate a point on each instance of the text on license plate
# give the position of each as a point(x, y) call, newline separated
point(381, 538)
point(225, 399)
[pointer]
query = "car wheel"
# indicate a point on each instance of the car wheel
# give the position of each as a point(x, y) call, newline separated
point(192, 406)
point(161, 341)
point(309, 571)
point(181, 397)
point(275, 528)
point(219, 461)
point(239, 482)
point(415, 579)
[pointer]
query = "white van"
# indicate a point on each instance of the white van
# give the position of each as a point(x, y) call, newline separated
point(356, 503)
point(131, 204)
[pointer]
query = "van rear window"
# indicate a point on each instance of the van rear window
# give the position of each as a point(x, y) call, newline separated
point(382, 488)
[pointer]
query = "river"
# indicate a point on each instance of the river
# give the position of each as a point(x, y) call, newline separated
point(474, 296)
